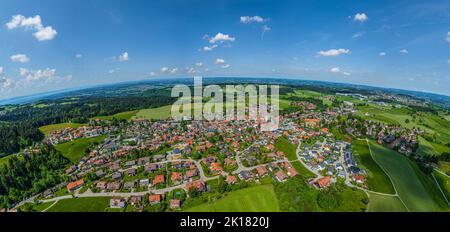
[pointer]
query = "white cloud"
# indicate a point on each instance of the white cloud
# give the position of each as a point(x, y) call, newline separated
point(152, 74)
point(209, 48)
point(448, 61)
point(1, 71)
point(20, 21)
point(6, 82)
point(225, 66)
point(41, 33)
point(220, 61)
point(45, 33)
point(361, 17)
point(357, 35)
point(382, 54)
point(338, 70)
point(199, 64)
point(404, 51)
point(335, 70)
point(251, 19)
point(219, 37)
point(169, 70)
point(334, 52)
point(265, 29)
point(124, 57)
point(22, 58)
point(78, 56)
point(191, 70)
point(448, 37)
point(36, 75)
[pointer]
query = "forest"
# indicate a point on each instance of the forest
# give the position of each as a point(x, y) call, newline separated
point(29, 174)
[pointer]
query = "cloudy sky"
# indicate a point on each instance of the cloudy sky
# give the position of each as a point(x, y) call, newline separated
point(49, 45)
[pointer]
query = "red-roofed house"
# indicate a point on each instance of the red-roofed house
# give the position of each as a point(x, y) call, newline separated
point(159, 179)
point(75, 185)
point(323, 182)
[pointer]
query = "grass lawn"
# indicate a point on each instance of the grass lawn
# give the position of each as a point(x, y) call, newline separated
point(75, 150)
point(383, 203)
point(155, 113)
point(54, 127)
point(302, 170)
point(377, 179)
point(289, 149)
point(444, 183)
point(415, 188)
point(36, 207)
point(255, 199)
point(85, 204)
point(123, 115)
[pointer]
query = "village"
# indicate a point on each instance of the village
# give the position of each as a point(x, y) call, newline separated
point(143, 162)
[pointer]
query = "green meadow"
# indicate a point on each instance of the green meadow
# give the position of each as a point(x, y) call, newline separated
point(60, 126)
point(154, 113)
point(85, 204)
point(377, 179)
point(76, 149)
point(255, 199)
point(122, 115)
point(289, 149)
point(384, 203)
point(417, 190)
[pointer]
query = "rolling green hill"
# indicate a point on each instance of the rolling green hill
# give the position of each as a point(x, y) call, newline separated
point(377, 179)
point(416, 190)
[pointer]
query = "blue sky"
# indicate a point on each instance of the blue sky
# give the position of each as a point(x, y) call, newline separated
point(53, 45)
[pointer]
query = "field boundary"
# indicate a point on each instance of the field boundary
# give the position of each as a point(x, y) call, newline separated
point(54, 203)
point(440, 189)
point(382, 168)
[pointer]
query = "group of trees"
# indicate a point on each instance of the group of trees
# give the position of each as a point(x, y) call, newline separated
point(29, 174)
point(16, 136)
point(296, 195)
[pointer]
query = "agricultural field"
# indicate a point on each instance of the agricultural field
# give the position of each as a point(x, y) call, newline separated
point(123, 115)
point(289, 149)
point(384, 203)
point(415, 189)
point(444, 183)
point(427, 148)
point(377, 179)
point(76, 149)
point(85, 204)
point(154, 113)
point(54, 127)
point(255, 199)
